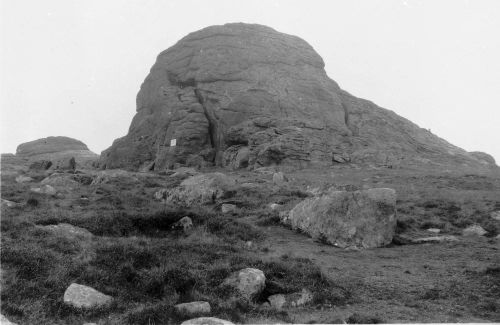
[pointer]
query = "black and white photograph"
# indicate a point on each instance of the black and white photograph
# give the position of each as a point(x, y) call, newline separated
point(226, 162)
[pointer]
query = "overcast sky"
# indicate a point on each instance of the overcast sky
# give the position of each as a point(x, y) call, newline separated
point(74, 68)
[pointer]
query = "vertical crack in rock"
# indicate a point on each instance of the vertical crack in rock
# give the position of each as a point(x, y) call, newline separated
point(212, 123)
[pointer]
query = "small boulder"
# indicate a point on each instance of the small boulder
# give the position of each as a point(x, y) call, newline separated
point(8, 203)
point(5, 321)
point(23, 179)
point(40, 165)
point(160, 194)
point(297, 299)
point(202, 189)
point(44, 189)
point(495, 215)
point(248, 282)
point(274, 206)
point(279, 178)
point(61, 180)
point(207, 321)
point(185, 224)
point(434, 230)
point(184, 172)
point(348, 219)
point(474, 230)
point(226, 208)
point(80, 296)
point(194, 308)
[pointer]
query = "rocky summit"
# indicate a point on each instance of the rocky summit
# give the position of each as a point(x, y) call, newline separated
point(242, 95)
point(56, 152)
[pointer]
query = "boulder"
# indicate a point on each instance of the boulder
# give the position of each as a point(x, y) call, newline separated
point(275, 206)
point(5, 321)
point(195, 308)
point(242, 95)
point(202, 189)
point(184, 172)
point(161, 194)
point(474, 230)
point(44, 189)
point(23, 179)
point(9, 204)
point(434, 230)
point(185, 224)
point(63, 180)
point(358, 219)
point(280, 301)
point(40, 165)
point(227, 208)
point(80, 296)
point(495, 215)
point(248, 282)
point(207, 321)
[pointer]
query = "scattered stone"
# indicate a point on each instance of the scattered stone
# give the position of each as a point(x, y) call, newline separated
point(185, 223)
point(277, 301)
point(61, 180)
point(194, 308)
point(40, 165)
point(226, 208)
point(202, 189)
point(207, 321)
point(275, 206)
point(248, 282)
point(160, 195)
point(279, 178)
point(5, 321)
point(44, 189)
point(8, 203)
point(81, 296)
point(495, 215)
point(435, 239)
point(67, 230)
point(249, 244)
point(362, 219)
point(474, 230)
point(280, 301)
point(184, 172)
point(23, 179)
point(434, 230)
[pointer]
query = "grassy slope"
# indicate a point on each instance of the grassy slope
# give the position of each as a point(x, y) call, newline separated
point(137, 258)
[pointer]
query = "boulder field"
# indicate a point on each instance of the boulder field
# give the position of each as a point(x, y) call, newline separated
point(242, 95)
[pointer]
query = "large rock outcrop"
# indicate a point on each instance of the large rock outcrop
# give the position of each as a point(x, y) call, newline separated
point(57, 150)
point(243, 95)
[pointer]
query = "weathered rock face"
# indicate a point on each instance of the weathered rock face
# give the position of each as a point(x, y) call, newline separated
point(358, 219)
point(60, 152)
point(243, 95)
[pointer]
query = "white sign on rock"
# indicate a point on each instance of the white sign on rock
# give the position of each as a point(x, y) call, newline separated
point(173, 142)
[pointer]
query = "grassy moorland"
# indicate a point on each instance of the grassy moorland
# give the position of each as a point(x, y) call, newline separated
point(136, 257)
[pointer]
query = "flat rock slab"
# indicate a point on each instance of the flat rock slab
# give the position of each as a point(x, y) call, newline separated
point(474, 230)
point(81, 296)
point(348, 219)
point(207, 321)
point(195, 308)
point(67, 230)
point(44, 189)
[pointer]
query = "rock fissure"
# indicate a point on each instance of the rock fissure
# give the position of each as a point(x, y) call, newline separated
point(212, 122)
